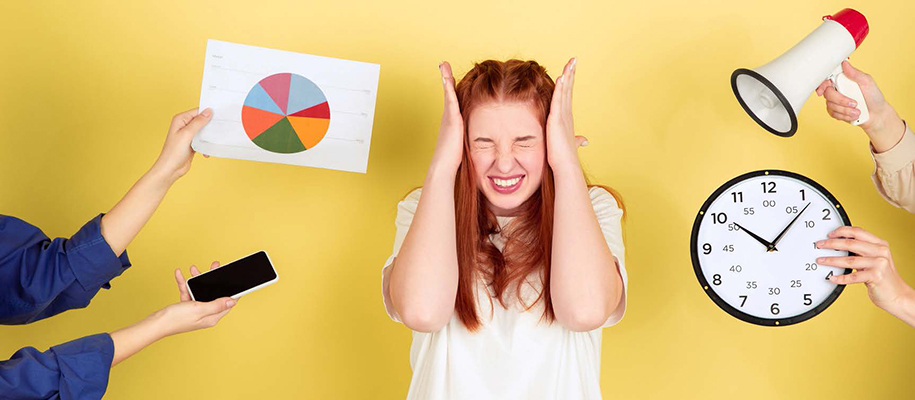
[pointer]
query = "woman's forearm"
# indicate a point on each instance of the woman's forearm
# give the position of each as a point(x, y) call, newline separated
point(122, 224)
point(130, 340)
point(585, 284)
point(886, 130)
point(904, 307)
point(425, 273)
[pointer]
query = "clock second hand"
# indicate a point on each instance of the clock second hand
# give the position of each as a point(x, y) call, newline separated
point(769, 246)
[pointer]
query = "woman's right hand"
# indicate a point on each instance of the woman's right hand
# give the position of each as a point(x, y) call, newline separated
point(874, 267)
point(884, 127)
point(449, 149)
point(184, 316)
point(188, 315)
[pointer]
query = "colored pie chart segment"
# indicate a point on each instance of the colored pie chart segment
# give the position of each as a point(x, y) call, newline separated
point(285, 113)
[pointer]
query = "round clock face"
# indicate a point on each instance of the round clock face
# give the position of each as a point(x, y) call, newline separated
point(754, 249)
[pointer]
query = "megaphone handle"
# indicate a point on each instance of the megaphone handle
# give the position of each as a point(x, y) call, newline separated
point(850, 88)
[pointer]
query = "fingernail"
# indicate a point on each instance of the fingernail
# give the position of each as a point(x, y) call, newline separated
point(585, 143)
point(230, 303)
point(820, 260)
point(444, 82)
point(207, 112)
point(852, 104)
point(820, 243)
point(574, 61)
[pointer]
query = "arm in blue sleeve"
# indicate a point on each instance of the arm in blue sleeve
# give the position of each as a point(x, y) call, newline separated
point(74, 370)
point(41, 277)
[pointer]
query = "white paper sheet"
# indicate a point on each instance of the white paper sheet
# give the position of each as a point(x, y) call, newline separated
point(232, 70)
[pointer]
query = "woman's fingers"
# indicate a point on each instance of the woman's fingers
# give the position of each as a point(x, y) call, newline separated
point(556, 102)
point(840, 116)
point(194, 270)
point(856, 277)
point(448, 83)
point(852, 262)
point(196, 123)
point(214, 265)
point(823, 85)
point(212, 320)
point(855, 246)
point(844, 110)
point(570, 72)
point(854, 232)
point(181, 119)
point(216, 306)
point(183, 295)
point(833, 95)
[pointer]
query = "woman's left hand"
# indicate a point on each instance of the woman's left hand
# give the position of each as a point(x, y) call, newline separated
point(562, 144)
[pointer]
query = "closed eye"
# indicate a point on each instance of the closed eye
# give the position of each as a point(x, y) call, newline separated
point(483, 143)
point(526, 141)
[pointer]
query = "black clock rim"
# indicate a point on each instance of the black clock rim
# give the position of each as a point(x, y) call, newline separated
point(781, 98)
point(707, 288)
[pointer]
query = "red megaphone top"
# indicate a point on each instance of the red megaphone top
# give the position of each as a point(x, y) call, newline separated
point(854, 22)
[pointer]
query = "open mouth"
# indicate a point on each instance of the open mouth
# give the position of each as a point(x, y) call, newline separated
point(506, 185)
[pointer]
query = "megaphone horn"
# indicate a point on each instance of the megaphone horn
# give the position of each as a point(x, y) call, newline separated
point(774, 93)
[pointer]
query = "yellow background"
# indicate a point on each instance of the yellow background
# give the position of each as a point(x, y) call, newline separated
point(87, 90)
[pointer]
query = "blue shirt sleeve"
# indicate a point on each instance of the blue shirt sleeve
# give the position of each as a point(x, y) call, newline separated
point(41, 277)
point(74, 370)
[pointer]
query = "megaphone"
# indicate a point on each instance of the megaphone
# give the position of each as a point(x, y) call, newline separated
point(774, 93)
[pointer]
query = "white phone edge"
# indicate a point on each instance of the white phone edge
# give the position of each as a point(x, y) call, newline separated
point(850, 89)
point(238, 295)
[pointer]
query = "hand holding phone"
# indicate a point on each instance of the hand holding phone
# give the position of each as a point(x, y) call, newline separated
point(234, 279)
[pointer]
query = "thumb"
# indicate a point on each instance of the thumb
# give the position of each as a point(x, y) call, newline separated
point(581, 141)
point(217, 306)
point(853, 73)
point(197, 122)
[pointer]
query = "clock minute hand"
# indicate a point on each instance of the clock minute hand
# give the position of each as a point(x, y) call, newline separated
point(782, 234)
point(769, 246)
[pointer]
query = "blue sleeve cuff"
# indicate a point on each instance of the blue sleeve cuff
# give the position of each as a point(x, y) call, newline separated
point(91, 259)
point(76, 370)
point(84, 366)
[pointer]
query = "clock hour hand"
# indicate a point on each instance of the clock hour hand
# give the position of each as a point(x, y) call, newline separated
point(782, 234)
point(769, 246)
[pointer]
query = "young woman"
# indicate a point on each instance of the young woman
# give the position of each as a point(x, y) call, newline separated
point(506, 264)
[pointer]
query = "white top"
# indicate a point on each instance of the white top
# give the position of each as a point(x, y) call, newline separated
point(514, 355)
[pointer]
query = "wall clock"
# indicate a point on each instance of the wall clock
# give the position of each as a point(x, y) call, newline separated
point(754, 252)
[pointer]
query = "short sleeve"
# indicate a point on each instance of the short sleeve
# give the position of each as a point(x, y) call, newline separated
point(609, 217)
point(405, 211)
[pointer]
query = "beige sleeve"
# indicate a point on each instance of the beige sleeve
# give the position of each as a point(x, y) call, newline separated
point(405, 211)
point(894, 172)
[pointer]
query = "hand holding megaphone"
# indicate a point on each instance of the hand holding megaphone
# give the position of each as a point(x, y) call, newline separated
point(883, 125)
point(774, 93)
point(850, 89)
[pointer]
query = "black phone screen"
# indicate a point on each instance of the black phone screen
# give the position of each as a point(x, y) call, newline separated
point(233, 278)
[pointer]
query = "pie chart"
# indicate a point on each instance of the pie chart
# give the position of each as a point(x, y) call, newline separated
point(285, 113)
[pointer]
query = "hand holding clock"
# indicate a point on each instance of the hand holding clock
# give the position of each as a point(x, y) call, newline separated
point(874, 267)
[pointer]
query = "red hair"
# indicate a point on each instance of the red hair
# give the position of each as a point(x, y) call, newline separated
point(529, 236)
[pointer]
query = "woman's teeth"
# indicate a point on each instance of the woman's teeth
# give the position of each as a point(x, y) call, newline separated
point(506, 182)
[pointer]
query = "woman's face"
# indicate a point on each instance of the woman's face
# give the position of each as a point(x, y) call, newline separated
point(508, 151)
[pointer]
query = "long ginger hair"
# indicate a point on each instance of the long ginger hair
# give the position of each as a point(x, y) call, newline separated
point(529, 236)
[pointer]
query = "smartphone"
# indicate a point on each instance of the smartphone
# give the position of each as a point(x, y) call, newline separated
point(234, 279)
